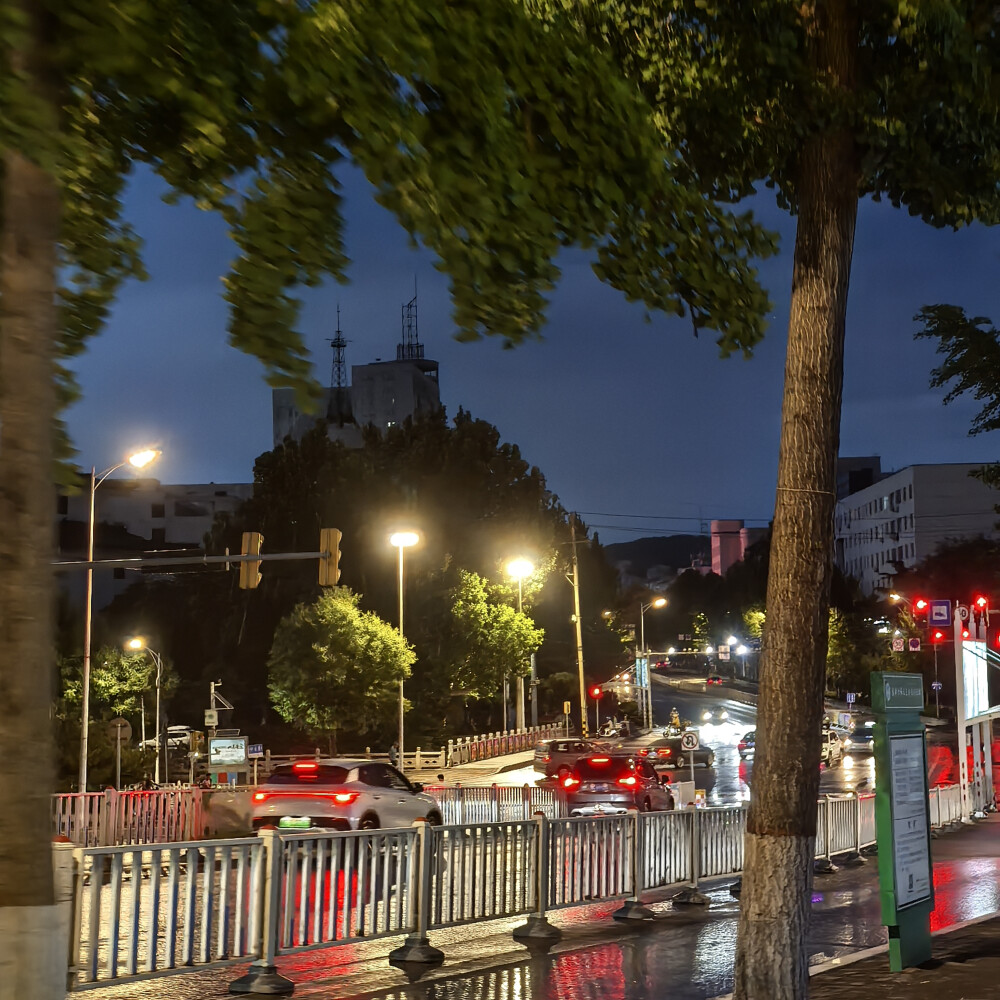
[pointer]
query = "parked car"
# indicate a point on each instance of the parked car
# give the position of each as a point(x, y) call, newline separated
point(831, 750)
point(713, 679)
point(176, 738)
point(668, 752)
point(555, 758)
point(604, 784)
point(341, 794)
point(746, 744)
point(860, 741)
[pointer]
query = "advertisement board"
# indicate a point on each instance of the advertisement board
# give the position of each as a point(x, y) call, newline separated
point(227, 751)
point(977, 696)
point(911, 841)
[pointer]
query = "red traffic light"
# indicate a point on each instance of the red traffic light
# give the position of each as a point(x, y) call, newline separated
point(937, 636)
point(982, 602)
point(965, 633)
point(597, 692)
point(921, 604)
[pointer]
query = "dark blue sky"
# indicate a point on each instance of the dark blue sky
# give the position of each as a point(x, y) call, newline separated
point(622, 417)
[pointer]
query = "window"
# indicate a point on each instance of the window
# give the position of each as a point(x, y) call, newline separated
point(157, 510)
point(397, 781)
point(159, 536)
point(376, 775)
point(323, 774)
point(62, 505)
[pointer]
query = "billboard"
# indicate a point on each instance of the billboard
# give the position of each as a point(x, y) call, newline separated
point(977, 698)
point(227, 751)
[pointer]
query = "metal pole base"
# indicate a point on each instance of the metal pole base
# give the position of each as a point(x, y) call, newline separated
point(855, 858)
point(264, 979)
point(633, 910)
point(536, 929)
point(416, 949)
point(824, 866)
point(691, 896)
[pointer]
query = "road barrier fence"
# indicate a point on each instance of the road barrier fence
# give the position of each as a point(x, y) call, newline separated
point(142, 910)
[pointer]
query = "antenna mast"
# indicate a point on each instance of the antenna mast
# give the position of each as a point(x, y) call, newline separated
point(338, 373)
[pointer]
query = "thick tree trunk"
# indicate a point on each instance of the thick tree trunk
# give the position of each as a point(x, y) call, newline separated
point(771, 959)
point(32, 948)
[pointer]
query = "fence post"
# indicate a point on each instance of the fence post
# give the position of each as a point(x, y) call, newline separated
point(494, 803)
point(632, 909)
point(416, 948)
point(263, 976)
point(855, 857)
point(448, 753)
point(692, 894)
point(538, 930)
point(526, 802)
point(824, 865)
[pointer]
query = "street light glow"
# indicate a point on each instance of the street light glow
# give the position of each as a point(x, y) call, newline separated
point(520, 568)
point(671, 651)
point(142, 458)
point(732, 640)
point(709, 651)
point(895, 597)
point(136, 642)
point(742, 650)
point(403, 539)
point(659, 602)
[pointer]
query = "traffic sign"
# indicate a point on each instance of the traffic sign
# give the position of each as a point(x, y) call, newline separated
point(120, 729)
point(689, 741)
point(898, 645)
point(211, 717)
point(935, 685)
point(850, 697)
point(940, 613)
point(914, 645)
point(255, 750)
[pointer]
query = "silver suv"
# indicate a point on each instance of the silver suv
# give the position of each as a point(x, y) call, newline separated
point(340, 794)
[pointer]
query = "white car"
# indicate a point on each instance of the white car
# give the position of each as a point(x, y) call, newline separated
point(714, 716)
point(176, 738)
point(341, 794)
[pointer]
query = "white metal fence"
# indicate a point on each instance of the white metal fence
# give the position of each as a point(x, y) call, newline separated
point(100, 819)
point(494, 803)
point(148, 909)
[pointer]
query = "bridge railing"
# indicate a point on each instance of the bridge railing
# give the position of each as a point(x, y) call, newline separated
point(110, 818)
point(142, 910)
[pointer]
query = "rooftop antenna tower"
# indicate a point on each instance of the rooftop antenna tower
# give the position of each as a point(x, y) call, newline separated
point(410, 348)
point(338, 373)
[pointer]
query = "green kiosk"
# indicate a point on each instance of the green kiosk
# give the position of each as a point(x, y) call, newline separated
point(902, 817)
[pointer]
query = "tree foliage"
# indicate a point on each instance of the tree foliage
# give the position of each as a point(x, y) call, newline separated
point(334, 666)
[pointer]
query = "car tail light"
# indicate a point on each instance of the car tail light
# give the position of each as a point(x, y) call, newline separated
point(664, 751)
point(600, 760)
point(644, 752)
point(305, 765)
point(741, 745)
point(629, 781)
point(570, 781)
point(344, 798)
point(546, 758)
point(259, 796)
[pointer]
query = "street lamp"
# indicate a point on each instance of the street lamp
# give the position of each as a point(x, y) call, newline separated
point(402, 540)
point(656, 602)
point(742, 651)
point(138, 644)
point(518, 569)
point(138, 460)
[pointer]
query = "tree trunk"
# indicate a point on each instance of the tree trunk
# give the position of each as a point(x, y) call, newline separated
point(771, 961)
point(32, 939)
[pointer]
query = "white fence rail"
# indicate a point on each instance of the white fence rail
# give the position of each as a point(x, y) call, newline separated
point(110, 818)
point(494, 803)
point(141, 910)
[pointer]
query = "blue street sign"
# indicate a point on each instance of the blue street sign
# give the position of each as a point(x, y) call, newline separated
point(850, 697)
point(255, 750)
point(936, 686)
point(939, 613)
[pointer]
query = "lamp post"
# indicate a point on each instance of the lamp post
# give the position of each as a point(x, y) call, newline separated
point(402, 540)
point(138, 460)
point(519, 569)
point(657, 602)
point(138, 644)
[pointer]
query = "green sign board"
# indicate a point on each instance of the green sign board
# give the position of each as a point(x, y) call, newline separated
point(902, 817)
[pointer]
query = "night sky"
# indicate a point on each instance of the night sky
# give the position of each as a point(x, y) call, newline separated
point(621, 416)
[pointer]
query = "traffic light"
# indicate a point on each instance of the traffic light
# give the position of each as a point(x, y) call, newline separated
point(250, 568)
point(980, 610)
point(329, 560)
point(937, 636)
point(920, 607)
point(597, 692)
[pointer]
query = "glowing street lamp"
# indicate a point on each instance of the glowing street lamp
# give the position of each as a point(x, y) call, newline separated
point(137, 460)
point(519, 568)
point(402, 540)
point(656, 602)
point(137, 644)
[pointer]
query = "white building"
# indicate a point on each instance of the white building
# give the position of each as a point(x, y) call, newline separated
point(134, 517)
point(904, 517)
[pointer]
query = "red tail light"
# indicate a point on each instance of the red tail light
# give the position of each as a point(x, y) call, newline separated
point(570, 781)
point(644, 752)
point(741, 745)
point(664, 752)
point(259, 796)
point(629, 781)
point(546, 758)
point(344, 798)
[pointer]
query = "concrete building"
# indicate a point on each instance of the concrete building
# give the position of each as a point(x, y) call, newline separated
point(903, 518)
point(730, 540)
point(381, 395)
point(135, 517)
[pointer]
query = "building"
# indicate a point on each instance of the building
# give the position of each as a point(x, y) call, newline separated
point(135, 517)
point(905, 516)
point(730, 540)
point(381, 395)
point(855, 474)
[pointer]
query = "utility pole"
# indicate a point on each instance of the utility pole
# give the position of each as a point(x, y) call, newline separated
point(575, 581)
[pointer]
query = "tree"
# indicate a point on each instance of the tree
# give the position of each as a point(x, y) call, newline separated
point(497, 135)
point(825, 102)
point(334, 666)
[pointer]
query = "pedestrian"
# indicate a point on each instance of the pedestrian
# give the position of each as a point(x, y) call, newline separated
point(394, 753)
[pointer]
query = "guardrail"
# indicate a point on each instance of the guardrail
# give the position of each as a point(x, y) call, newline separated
point(145, 910)
point(108, 818)
point(494, 803)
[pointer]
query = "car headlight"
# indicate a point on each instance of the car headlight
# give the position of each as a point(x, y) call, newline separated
point(725, 715)
point(705, 716)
